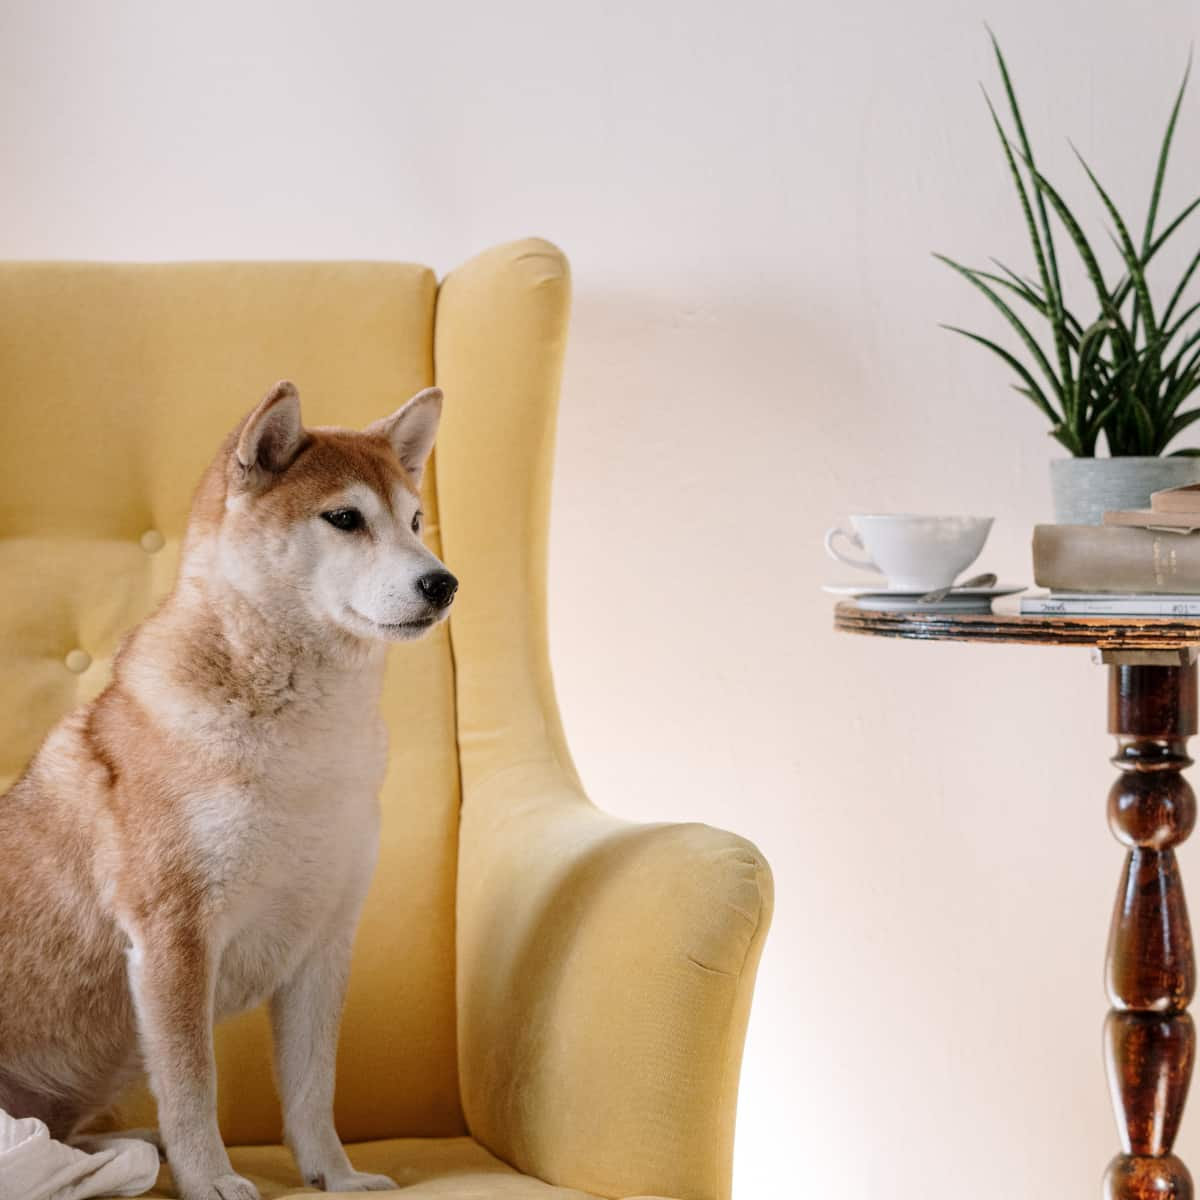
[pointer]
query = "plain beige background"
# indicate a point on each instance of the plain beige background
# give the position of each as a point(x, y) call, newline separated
point(748, 193)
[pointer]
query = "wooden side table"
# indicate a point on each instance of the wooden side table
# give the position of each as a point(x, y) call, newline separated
point(1150, 1041)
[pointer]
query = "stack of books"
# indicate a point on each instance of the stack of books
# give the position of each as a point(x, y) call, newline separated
point(1143, 562)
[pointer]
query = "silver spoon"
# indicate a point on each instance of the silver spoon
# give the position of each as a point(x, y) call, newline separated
point(976, 581)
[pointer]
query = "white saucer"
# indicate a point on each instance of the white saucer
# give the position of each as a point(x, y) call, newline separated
point(910, 604)
point(855, 590)
point(888, 599)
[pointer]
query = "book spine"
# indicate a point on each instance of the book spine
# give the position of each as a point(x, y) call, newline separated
point(1100, 607)
point(1112, 558)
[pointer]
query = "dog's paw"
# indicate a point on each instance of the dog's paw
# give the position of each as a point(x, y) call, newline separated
point(224, 1187)
point(358, 1181)
point(153, 1136)
point(147, 1135)
point(93, 1143)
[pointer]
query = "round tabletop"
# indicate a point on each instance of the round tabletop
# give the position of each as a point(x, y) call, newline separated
point(1108, 633)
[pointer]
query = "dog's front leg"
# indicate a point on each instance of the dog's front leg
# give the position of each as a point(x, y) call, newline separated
point(172, 976)
point(305, 1015)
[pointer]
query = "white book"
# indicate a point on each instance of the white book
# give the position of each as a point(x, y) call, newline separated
point(1093, 604)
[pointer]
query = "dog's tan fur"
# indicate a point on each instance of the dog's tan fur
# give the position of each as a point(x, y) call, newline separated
point(199, 838)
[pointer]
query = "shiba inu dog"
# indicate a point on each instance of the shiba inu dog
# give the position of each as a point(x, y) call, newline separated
point(200, 837)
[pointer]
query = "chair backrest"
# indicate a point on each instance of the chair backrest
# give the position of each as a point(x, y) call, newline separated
point(117, 384)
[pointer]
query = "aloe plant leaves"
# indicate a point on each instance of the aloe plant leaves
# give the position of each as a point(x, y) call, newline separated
point(1122, 374)
point(1164, 152)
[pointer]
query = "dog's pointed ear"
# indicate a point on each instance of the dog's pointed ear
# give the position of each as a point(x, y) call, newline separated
point(411, 430)
point(272, 435)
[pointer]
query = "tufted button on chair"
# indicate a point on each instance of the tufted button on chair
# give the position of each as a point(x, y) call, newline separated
point(546, 1002)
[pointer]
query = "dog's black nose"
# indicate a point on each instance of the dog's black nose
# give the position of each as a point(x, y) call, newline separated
point(438, 587)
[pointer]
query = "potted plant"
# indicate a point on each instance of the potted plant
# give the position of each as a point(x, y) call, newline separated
point(1123, 375)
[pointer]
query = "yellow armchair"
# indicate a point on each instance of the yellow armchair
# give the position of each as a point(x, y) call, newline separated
point(546, 1002)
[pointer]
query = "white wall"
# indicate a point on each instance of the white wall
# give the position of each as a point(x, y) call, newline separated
point(748, 193)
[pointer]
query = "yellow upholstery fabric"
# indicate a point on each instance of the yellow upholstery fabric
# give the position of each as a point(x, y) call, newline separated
point(571, 989)
point(605, 969)
point(446, 1168)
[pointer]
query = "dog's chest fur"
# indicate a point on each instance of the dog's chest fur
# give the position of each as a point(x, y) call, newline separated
point(285, 842)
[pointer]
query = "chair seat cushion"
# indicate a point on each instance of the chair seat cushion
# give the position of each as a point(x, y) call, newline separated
point(456, 1168)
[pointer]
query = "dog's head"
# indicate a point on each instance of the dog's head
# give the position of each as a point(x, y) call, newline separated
point(325, 524)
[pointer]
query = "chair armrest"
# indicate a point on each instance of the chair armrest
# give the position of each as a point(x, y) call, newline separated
point(605, 977)
point(604, 969)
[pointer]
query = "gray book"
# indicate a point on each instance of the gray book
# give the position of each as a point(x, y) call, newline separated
point(1114, 558)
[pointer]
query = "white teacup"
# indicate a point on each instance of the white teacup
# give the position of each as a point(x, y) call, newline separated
point(919, 554)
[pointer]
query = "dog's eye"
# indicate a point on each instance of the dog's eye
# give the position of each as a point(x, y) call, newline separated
point(416, 521)
point(345, 519)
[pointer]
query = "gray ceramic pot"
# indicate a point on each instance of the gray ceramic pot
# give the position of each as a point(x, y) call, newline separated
point(1085, 489)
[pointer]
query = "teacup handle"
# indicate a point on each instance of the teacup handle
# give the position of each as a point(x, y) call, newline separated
point(862, 564)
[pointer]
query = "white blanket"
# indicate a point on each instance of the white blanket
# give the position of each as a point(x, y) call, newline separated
point(33, 1166)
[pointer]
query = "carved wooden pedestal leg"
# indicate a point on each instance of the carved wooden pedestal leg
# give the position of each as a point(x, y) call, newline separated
point(1149, 1037)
